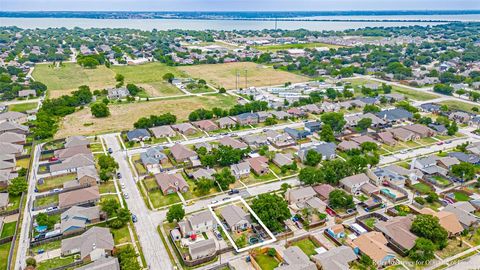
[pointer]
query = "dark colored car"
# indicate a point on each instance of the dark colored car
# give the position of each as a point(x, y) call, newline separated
point(233, 191)
point(134, 218)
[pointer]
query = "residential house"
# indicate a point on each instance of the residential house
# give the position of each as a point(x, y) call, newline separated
point(14, 138)
point(299, 194)
point(203, 173)
point(117, 93)
point(387, 138)
point(404, 135)
point(337, 258)
point(3, 201)
point(247, 119)
point(430, 107)
point(395, 115)
point(460, 117)
point(13, 127)
point(381, 175)
point(353, 183)
point(447, 162)
point(153, 158)
point(209, 147)
point(397, 231)
point(171, 183)
point(94, 244)
point(447, 220)
point(240, 170)
point(64, 153)
point(197, 223)
point(296, 112)
point(206, 125)
point(12, 116)
point(280, 115)
point(421, 130)
point(10, 149)
point(259, 165)
point(323, 191)
point(77, 218)
point(27, 93)
point(296, 134)
point(226, 122)
point(374, 245)
point(279, 140)
point(348, 145)
point(182, 154)
point(281, 159)
point(313, 126)
point(202, 249)
point(234, 143)
point(86, 176)
point(76, 141)
point(84, 196)
point(311, 108)
point(262, 116)
point(336, 231)
point(294, 258)
point(6, 174)
point(439, 128)
point(474, 148)
point(163, 132)
point(72, 163)
point(464, 211)
point(255, 140)
point(185, 128)
point(327, 150)
point(138, 135)
point(236, 218)
point(110, 263)
point(469, 158)
point(363, 139)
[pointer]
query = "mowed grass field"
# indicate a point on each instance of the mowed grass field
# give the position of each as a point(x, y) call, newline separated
point(312, 45)
point(67, 78)
point(458, 105)
point(124, 115)
point(149, 76)
point(224, 75)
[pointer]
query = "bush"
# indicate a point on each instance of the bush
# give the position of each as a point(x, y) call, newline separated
point(420, 200)
point(271, 252)
point(31, 262)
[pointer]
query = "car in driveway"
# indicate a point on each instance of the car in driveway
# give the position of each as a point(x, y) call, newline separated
point(50, 209)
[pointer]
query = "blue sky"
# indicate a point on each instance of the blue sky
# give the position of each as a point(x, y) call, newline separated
point(235, 5)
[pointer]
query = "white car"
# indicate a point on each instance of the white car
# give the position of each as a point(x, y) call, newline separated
point(123, 185)
point(126, 195)
point(214, 202)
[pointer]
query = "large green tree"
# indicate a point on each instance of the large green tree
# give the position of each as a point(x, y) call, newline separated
point(340, 199)
point(175, 212)
point(428, 227)
point(326, 134)
point(464, 171)
point(272, 210)
point(334, 120)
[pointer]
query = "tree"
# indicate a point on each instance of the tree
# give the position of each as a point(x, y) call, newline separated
point(340, 199)
point(423, 250)
point(272, 210)
point(124, 215)
point(270, 121)
point(428, 227)
point(119, 77)
point(224, 178)
point(100, 110)
point(370, 108)
point(204, 185)
point(31, 262)
point(335, 120)
point(312, 158)
point(127, 258)
point(17, 186)
point(309, 176)
point(222, 90)
point(452, 129)
point(366, 262)
point(364, 123)
point(326, 134)
point(443, 89)
point(44, 219)
point(168, 77)
point(432, 197)
point(133, 89)
point(463, 170)
point(110, 206)
point(175, 212)
point(369, 147)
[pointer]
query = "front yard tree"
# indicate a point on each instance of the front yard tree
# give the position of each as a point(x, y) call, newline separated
point(17, 186)
point(100, 110)
point(308, 176)
point(326, 134)
point(423, 250)
point(452, 129)
point(224, 178)
point(428, 226)
point(312, 158)
point(272, 210)
point(175, 212)
point(110, 206)
point(364, 123)
point(464, 171)
point(168, 77)
point(127, 258)
point(204, 185)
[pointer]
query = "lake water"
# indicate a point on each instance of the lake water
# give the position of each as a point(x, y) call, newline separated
point(166, 24)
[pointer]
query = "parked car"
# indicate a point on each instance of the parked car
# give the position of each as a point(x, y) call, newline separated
point(125, 195)
point(56, 190)
point(53, 159)
point(439, 143)
point(226, 198)
point(50, 209)
point(123, 185)
point(119, 175)
point(134, 218)
point(214, 202)
point(233, 191)
point(110, 150)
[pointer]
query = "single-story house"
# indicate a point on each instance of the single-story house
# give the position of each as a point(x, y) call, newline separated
point(137, 135)
point(94, 244)
point(226, 122)
point(181, 153)
point(353, 183)
point(294, 258)
point(259, 165)
point(163, 132)
point(296, 134)
point(203, 173)
point(206, 125)
point(201, 249)
point(8, 126)
point(235, 217)
point(84, 196)
point(327, 150)
point(337, 258)
point(240, 170)
point(447, 220)
point(76, 218)
point(153, 157)
point(75, 141)
point(14, 138)
point(299, 194)
point(171, 183)
point(234, 143)
point(397, 232)
point(374, 245)
point(185, 128)
point(281, 159)
point(247, 119)
point(348, 145)
point(323, 190)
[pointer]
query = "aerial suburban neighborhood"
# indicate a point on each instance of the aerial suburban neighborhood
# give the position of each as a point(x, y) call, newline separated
point(123, 148)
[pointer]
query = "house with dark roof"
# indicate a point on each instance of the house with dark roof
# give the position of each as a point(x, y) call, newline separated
point(138, 135)
point(313, 126)
point(236, 218)
point(430, 107)
point(76, 218)
point(327, 150)
point(153, 158)
point(395, 115)
point(247, 119)
point(469, 158)
point(297, 134)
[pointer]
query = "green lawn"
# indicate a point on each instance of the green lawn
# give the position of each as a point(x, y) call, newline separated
point(370, 222)
point(96, 147)
point(461, 197)
point(107, 187)
point(149, 76)
point(23, 107)
point(14, 202)
point(441, 180)
point(150, 183)
point(451, 249)
point(266, 262)
point(48, 246)
point(458, 105)
point(159, 200)
point(121, 235)
point(413, 94)
point(54, 263)
point(55, 182)
point(108, 197)
point(24, 163)
point(4, 250)
point(254, 179)
point(48, 200)
point(8, 229)
point(295, 46)
point(307, 246)
point(70, 76)
point(422, 188)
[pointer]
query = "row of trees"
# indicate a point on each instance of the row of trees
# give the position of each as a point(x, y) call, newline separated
point(223, 156)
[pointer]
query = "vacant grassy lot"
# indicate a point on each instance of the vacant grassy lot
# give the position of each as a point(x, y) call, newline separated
point(224, 75)
point(458, 105)
point(56, 182)
point(65, 79)
point(266, 262)
point(23, 107)
point(312, 45)
point(124, 115)
point(149, 76)
point(422, 188)
point(307, 246)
